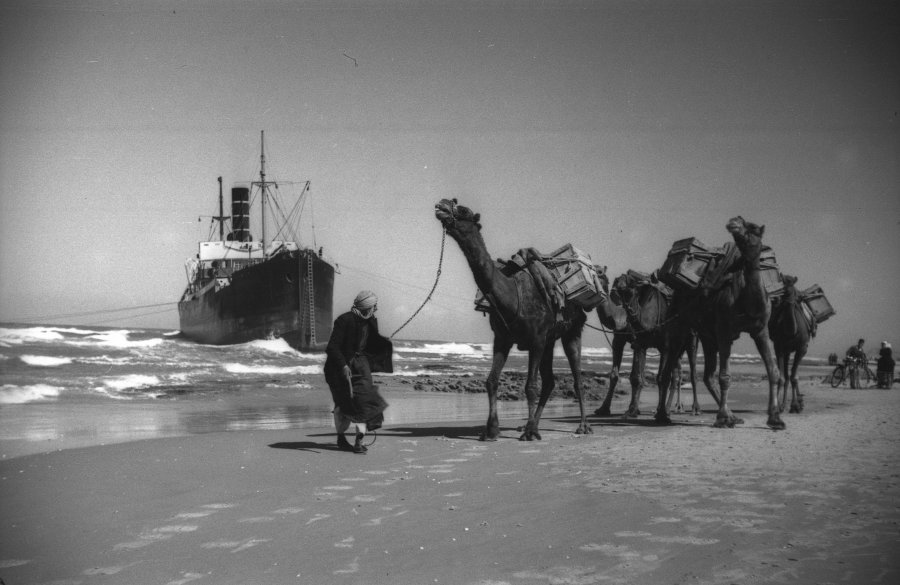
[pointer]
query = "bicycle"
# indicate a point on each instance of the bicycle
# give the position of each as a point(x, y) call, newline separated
point(844, 372)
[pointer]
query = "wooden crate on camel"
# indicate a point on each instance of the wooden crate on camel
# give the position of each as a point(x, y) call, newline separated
point(814, 299)
point(574, 272)
point(690, 263)
point(577, 276)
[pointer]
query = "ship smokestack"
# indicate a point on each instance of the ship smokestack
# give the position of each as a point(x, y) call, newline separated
point(240, 215)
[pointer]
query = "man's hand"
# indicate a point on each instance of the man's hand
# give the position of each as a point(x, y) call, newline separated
point(346, 371)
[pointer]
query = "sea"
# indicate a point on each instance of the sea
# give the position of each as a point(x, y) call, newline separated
point(74, 386)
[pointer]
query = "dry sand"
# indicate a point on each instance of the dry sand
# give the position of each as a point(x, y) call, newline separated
point(632, 503)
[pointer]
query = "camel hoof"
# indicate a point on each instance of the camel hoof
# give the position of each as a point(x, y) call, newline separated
point(726, 422)
point(775, 423)
point(584, 430)
point(602, 411)
point(795, 409)
point(696, 411)
point(484, 437)
point(532, 436)
point(631, 413)
point(662, 419)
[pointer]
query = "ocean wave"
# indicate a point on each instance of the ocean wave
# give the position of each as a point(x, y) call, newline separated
point(467, 349)
point(10, 394)
point(18, 336)
point(130, 382)
point(119, 339)
point(280, 346)
point(235, 368)
point(45, 361)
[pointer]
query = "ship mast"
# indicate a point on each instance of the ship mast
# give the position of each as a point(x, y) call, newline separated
point(221, 217)
point(263, 188)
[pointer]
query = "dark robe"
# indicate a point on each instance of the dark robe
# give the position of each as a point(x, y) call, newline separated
point(355, 342)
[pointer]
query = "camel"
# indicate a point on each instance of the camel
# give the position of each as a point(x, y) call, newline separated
point(790, 332)
point(521, 315)
point(614, 318)
point(720, 315)
point(647, 305)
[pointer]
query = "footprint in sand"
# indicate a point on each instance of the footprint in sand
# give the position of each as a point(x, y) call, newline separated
point(353, 567)
point(188, 577)
point(286, 511)
point(346, 543)
point(155, 535)
point(234, 546)
point(317, 517)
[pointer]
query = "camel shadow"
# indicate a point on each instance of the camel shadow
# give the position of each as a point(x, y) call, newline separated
point(616, 420)
point(449, 432)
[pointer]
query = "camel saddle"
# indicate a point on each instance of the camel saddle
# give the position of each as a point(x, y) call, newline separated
point(553, 275)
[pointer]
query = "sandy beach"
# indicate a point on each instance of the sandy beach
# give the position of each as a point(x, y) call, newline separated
point(632, 503)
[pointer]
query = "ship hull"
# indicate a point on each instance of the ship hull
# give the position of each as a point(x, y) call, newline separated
point(270, 299)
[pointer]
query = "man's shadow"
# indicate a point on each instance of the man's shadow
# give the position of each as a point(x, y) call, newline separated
point(463, 433)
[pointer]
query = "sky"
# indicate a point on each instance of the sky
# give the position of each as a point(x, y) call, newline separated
point(616, 126)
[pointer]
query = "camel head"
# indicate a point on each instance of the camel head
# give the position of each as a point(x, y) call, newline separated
point(452, 215)
point(790, 290)
point(622, 292)
point(747, 236)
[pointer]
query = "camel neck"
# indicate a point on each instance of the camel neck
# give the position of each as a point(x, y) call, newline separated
point(607, 311)
point(488, 278)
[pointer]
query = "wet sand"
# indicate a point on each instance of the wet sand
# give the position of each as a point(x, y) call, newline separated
point(632, 503)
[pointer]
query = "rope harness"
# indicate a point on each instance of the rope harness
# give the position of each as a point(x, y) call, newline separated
point(437, 278)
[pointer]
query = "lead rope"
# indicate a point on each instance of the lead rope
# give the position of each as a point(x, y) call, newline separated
point(431, 292)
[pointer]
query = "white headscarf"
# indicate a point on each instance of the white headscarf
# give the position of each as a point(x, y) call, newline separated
point(365, 304)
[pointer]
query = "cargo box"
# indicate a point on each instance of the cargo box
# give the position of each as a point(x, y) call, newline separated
point(814, 298)
point(570, 252)
point(578, 284)
point(575, 273)
point(685, 264)
point(771, 274)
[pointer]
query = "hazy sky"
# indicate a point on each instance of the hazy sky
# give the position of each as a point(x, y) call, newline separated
point(617, 126)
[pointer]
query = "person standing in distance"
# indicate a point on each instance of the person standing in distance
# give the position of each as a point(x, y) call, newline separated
point(354, 351)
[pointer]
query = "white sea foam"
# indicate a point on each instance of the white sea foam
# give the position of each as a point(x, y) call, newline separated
point(234, 368)
point(467, 349)
point(45, 360)
point(277, 345)
point(19, 336)
point(120, 339)
point(596, 352)
point(130, 382)
point(10, 394)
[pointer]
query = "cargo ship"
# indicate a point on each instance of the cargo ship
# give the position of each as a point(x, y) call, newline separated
point(240, 289)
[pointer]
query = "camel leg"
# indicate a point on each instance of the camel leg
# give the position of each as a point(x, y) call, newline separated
point(618, 350)
point(663, 381)
point(536, 357)
point(691, 352)
point(725, 418)
point(501, 352)
point(675, 389)
point(765, 350)
point(782, 358)
point(796, 397)
point(710, 369)
point(636, 378)
point(572, 349)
